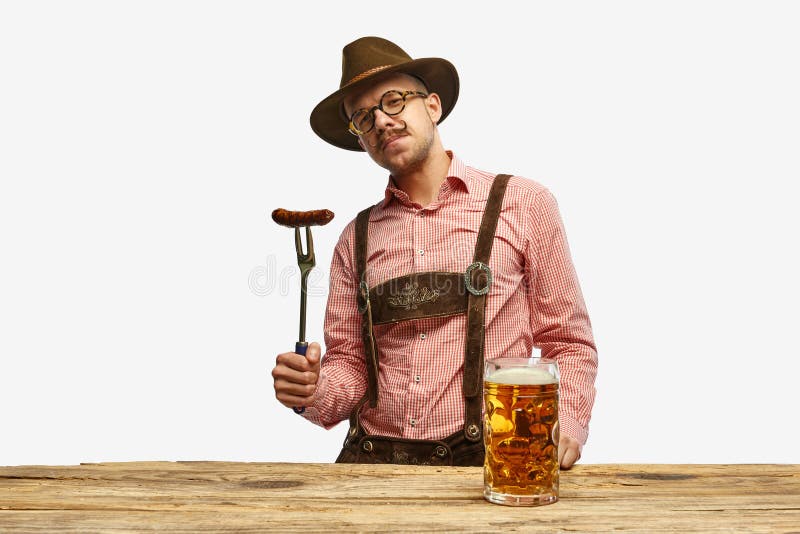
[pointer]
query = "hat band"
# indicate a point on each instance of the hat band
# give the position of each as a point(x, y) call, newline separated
point(366, 73)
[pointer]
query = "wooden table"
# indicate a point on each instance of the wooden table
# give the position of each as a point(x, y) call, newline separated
point(256, 497)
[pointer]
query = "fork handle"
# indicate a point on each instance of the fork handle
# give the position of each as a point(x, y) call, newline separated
point(300, 348)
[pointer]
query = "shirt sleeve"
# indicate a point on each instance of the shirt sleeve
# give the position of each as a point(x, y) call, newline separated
point(342, 380)
point(559, 319)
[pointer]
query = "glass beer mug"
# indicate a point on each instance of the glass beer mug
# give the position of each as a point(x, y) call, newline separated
point(520, 398)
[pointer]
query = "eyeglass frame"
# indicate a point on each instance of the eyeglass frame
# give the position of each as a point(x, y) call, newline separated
point(371, 111)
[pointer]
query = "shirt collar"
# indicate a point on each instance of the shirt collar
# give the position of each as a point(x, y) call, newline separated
point(456, 174)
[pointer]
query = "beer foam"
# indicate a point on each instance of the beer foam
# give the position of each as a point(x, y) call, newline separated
point(523, 376)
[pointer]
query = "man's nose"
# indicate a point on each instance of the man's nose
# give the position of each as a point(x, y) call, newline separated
point(384, 121)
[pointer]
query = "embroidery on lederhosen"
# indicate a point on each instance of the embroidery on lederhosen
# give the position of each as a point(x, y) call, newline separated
point(412, 296)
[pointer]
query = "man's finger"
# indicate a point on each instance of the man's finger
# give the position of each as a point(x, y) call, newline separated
point(291, 388)
point(569, 451)
point(571, 455)
point(313, 354)
point(282, 372)
point(295, 361)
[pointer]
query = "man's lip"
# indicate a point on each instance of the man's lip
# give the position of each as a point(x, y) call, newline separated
point(390, 140)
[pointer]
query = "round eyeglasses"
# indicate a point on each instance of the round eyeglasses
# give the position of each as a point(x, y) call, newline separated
point(392, 103)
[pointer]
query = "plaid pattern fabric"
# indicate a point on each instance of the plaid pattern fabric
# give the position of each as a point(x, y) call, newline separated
point(535, 301)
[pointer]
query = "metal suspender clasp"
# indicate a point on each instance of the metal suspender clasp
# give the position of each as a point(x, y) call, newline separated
point(363, 297)
point(468, 278)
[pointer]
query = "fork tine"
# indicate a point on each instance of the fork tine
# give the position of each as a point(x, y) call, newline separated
point(298, 244)
point(309, 243)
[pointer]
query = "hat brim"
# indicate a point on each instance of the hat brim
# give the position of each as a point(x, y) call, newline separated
point(438, 75)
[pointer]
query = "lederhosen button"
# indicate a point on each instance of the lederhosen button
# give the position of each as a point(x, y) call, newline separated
point(473, 431)
point(440, 451)
point(367, 446)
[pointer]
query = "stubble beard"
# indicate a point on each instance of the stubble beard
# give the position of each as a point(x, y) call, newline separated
point(417, 155)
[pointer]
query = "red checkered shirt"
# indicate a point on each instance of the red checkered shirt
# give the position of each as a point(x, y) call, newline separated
point(534, 301)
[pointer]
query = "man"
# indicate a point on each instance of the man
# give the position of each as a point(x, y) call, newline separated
point(403, 362)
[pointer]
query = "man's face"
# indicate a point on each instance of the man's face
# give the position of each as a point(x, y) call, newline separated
point(402, 142)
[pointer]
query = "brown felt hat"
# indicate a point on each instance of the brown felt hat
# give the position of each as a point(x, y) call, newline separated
point(362, 61)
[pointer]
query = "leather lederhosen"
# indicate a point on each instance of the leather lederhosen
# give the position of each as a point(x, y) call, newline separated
point(418, 296)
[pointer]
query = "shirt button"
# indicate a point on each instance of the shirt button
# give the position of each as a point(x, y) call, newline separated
point(421, 252)
point(421, 213)
point(416, 379)
point(412, 422)
point(423, 336)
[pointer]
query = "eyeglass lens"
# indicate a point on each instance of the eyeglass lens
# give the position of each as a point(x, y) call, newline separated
point(392, 103)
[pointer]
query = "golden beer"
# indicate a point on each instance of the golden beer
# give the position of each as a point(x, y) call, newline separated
point(521, 432)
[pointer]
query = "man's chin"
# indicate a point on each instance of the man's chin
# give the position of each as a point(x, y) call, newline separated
point(403, 166)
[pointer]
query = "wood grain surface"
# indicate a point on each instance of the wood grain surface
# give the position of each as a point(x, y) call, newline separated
point(259, 497)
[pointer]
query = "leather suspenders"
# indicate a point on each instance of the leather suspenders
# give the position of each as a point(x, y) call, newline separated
point(466, 292)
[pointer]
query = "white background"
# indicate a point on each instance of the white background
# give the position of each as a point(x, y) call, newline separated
point(144, 291)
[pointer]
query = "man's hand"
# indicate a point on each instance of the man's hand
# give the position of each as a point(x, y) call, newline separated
point(296, 376)
point(569, 451)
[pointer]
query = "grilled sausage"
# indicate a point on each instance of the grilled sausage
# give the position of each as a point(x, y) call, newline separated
point(295, 219)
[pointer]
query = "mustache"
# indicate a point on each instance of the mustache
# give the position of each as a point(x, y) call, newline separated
point(387, 134)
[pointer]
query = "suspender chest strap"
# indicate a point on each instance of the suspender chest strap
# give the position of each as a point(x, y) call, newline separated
point(365, 308)
point(478, 278)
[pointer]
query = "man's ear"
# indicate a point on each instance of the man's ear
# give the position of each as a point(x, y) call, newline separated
point(434, 106)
